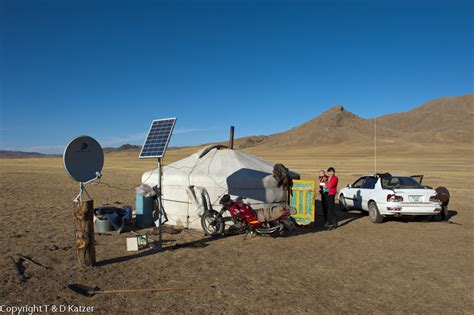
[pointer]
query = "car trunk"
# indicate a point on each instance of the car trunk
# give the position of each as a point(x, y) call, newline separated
point(415, 195)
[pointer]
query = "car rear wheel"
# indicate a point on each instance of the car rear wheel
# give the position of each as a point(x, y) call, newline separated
point(342, 203)
point(374, 213)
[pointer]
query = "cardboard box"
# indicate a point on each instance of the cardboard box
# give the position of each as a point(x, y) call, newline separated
point(136, 243)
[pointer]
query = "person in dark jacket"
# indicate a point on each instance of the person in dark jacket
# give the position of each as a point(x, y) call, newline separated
point(331, 198)
point(323, 190)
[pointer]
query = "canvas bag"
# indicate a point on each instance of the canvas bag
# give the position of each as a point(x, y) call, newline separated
point(271, 214)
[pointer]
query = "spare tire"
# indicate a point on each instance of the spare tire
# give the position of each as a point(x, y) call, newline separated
point(443, 195)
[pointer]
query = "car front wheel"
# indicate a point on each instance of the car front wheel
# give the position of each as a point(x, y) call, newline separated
point(374, 213)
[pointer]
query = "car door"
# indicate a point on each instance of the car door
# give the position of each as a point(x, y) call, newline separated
point(366, 192)
point(352, 192)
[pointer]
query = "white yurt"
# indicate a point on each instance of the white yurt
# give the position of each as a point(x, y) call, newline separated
point(219, 171)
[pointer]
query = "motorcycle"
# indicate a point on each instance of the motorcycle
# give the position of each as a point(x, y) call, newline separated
point(274, 221)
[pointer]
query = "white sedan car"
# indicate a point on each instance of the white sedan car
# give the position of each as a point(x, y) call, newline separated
point(385, 195)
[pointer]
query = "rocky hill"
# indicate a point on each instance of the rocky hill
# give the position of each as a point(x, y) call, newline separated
point(443, 120)
point(122, 148)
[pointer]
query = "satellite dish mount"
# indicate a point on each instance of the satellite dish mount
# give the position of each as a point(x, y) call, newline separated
point(83, 160)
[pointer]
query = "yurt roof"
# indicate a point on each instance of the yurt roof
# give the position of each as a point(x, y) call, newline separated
point(216, 167)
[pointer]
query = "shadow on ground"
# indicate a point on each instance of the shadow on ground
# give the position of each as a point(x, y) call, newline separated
point(200, 243)
point(344, 218)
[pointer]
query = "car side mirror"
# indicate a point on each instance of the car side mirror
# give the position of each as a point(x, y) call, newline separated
point(348, 186)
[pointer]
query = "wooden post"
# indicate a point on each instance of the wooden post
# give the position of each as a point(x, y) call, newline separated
point(84, 224)
point(231, 137)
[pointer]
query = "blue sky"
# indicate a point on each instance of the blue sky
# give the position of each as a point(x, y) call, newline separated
point(107, 68)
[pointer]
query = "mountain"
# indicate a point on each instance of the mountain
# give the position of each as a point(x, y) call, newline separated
point(6, 154)
point(335, 125)
point(443, 120)
point(122, 148)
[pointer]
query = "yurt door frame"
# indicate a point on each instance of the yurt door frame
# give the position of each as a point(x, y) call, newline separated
point(302, 199)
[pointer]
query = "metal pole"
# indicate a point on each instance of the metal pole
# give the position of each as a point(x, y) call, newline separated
point(231, 137)
point(375, 145)
point(81, 190)
point(160, 214)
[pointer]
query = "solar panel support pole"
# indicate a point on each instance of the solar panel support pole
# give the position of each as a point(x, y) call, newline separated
point(155, 146)
point(231, 137)
point(160, 207)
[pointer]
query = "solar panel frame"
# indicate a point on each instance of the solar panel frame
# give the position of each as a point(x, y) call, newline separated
point(157, 141)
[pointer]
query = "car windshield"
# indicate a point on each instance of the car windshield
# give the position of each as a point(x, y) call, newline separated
point(396, 182)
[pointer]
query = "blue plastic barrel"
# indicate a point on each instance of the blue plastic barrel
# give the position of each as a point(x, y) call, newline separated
point(144, 211)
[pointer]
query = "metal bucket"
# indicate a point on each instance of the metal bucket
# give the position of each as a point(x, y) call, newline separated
point(102, 226)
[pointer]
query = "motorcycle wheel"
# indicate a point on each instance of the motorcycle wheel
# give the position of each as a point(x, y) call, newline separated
point(210, 229)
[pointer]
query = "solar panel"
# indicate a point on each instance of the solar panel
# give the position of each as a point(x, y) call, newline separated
point(158, 138)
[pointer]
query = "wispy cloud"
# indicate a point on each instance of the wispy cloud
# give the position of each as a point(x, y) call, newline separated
point(190, 130)
point(140, 137)
point(111, 141)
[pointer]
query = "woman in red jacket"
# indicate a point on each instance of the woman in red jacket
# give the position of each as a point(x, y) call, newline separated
point(331, 198)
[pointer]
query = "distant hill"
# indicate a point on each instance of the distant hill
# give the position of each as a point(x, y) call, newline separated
point(6, 154)
point(334, 126)
point(443, 120)
point(122, 148)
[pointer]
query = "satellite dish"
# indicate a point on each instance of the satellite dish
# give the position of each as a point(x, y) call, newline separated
point(83, 159)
